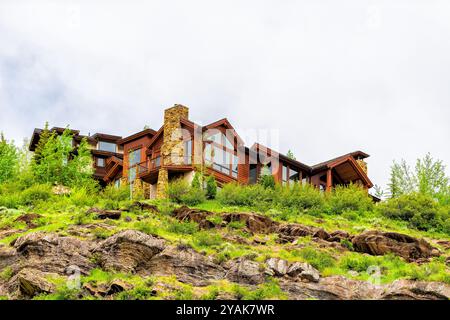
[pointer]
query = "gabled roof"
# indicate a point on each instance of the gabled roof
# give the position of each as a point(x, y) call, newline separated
point(325, 164)
point(138, 135)
point(224, 122)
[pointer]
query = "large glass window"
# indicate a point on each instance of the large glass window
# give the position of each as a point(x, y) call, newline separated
point(134, 157)
point(234, 168)
point(253, 176)
point(106, 146)
point(285, 174)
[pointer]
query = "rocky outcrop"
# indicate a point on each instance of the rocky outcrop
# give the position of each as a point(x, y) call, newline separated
point(380, 243)
point(28, 218)
point(50, 252)
point(188, 265)
point(27, 283)
point(371, 242)
point(243, 270)
point(254, 223)
point(195, 215)
point(304, 271)
point(128, 251)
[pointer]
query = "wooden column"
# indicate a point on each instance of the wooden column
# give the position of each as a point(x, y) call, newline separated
point(329, 180)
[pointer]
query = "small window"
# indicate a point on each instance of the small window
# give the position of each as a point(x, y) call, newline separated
point(117, 183)
point(188, 152)
point(100, 162)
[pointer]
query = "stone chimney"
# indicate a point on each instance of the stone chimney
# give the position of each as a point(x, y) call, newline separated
point(172, 148)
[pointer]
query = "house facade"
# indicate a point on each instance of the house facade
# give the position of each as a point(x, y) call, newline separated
point(180, 147)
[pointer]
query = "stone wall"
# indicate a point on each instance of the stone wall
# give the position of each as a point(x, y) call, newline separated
point(363, 165)
point(172, 150)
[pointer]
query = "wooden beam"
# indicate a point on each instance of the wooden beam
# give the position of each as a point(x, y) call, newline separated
point(329, 180)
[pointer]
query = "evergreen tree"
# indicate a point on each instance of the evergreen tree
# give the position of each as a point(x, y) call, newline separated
point(9, 164)
point(211, 187)
point(43, 139)
point(290, 155)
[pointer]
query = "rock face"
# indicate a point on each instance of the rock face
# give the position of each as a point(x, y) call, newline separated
point(277, 267)
point(195, 215)
point(50, 252)
point(188, 265)
point(29, 282)
point(128, 251)
point(304, 271)
point(246, 271)
point(255, 223)
point(380, 243)
point(289, 232)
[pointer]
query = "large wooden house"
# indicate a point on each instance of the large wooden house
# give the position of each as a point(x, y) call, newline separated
point(180, 147)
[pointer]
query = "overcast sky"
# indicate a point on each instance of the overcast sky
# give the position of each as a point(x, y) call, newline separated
point(331, 76)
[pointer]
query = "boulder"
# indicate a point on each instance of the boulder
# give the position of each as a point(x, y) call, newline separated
point(128, 251)
point(380, 243)
point(188, 265)
point(277, 267)
point(195, 215)
point(29, 282)
point(304, 271)
point(292, 231)
point(245, 271)
point(338, 236)
point(144, 206)
point(50, 252)
point(254, 223)
point(105, 214)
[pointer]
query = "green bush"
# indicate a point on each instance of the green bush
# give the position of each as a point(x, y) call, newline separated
point(267, 181)
point(83, 197)
point(251, 195)
point(182, 227)
point(115, 193)
point(349, 198)
point(38, 192)
point(420, 211)
point(193, 197)
point(11, 201)
point(177, 189)
point(211, 187)
point(300, 197)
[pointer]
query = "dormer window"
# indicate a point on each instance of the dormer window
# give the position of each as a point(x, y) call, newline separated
point(106, 146)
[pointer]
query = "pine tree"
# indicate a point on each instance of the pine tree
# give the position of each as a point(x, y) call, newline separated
point(43, 138)
point(290, 155)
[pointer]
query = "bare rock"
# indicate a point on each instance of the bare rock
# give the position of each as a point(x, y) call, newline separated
point(188, 265)
point(338, 236)
point(51, 252)
point(255, 223)
point(416, 290)
point(30, 282)
point(277, 267)
point(304, 271)
point(294, 230)
point(380, 243)
point(144, 206)
point(128, 251)
point(246, 271)
point(195, 215)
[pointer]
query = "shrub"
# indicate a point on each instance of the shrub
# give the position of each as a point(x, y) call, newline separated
point(211, 187)
point(115, 193)
point(196, 181)
point(12, 201)
point(318, 259)
point(252, 195)
point(176, 189)
point(38, 192)
point(267, 181)
point(193, 197)
point(207, 239)
point(420, 211)
point(300, 197)
point(182, 227)
point(349, 198)
point(82, 197)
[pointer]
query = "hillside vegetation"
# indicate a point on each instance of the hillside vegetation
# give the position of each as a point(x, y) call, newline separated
point(239, 242)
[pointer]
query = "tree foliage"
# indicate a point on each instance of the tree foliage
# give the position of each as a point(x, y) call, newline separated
point(8, 160)
point(428, 178)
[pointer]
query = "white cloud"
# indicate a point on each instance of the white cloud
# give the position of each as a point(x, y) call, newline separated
point(332, 76)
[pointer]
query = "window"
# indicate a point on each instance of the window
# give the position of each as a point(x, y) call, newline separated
point(156, 162)
point(234, 168)
point(188, 152)
point(117, 183)
point(106, 146)
point(293, 176)
point(134, 157)
point(285, 175)
point(253, 175)
point(100, 162)
point(132, 174)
